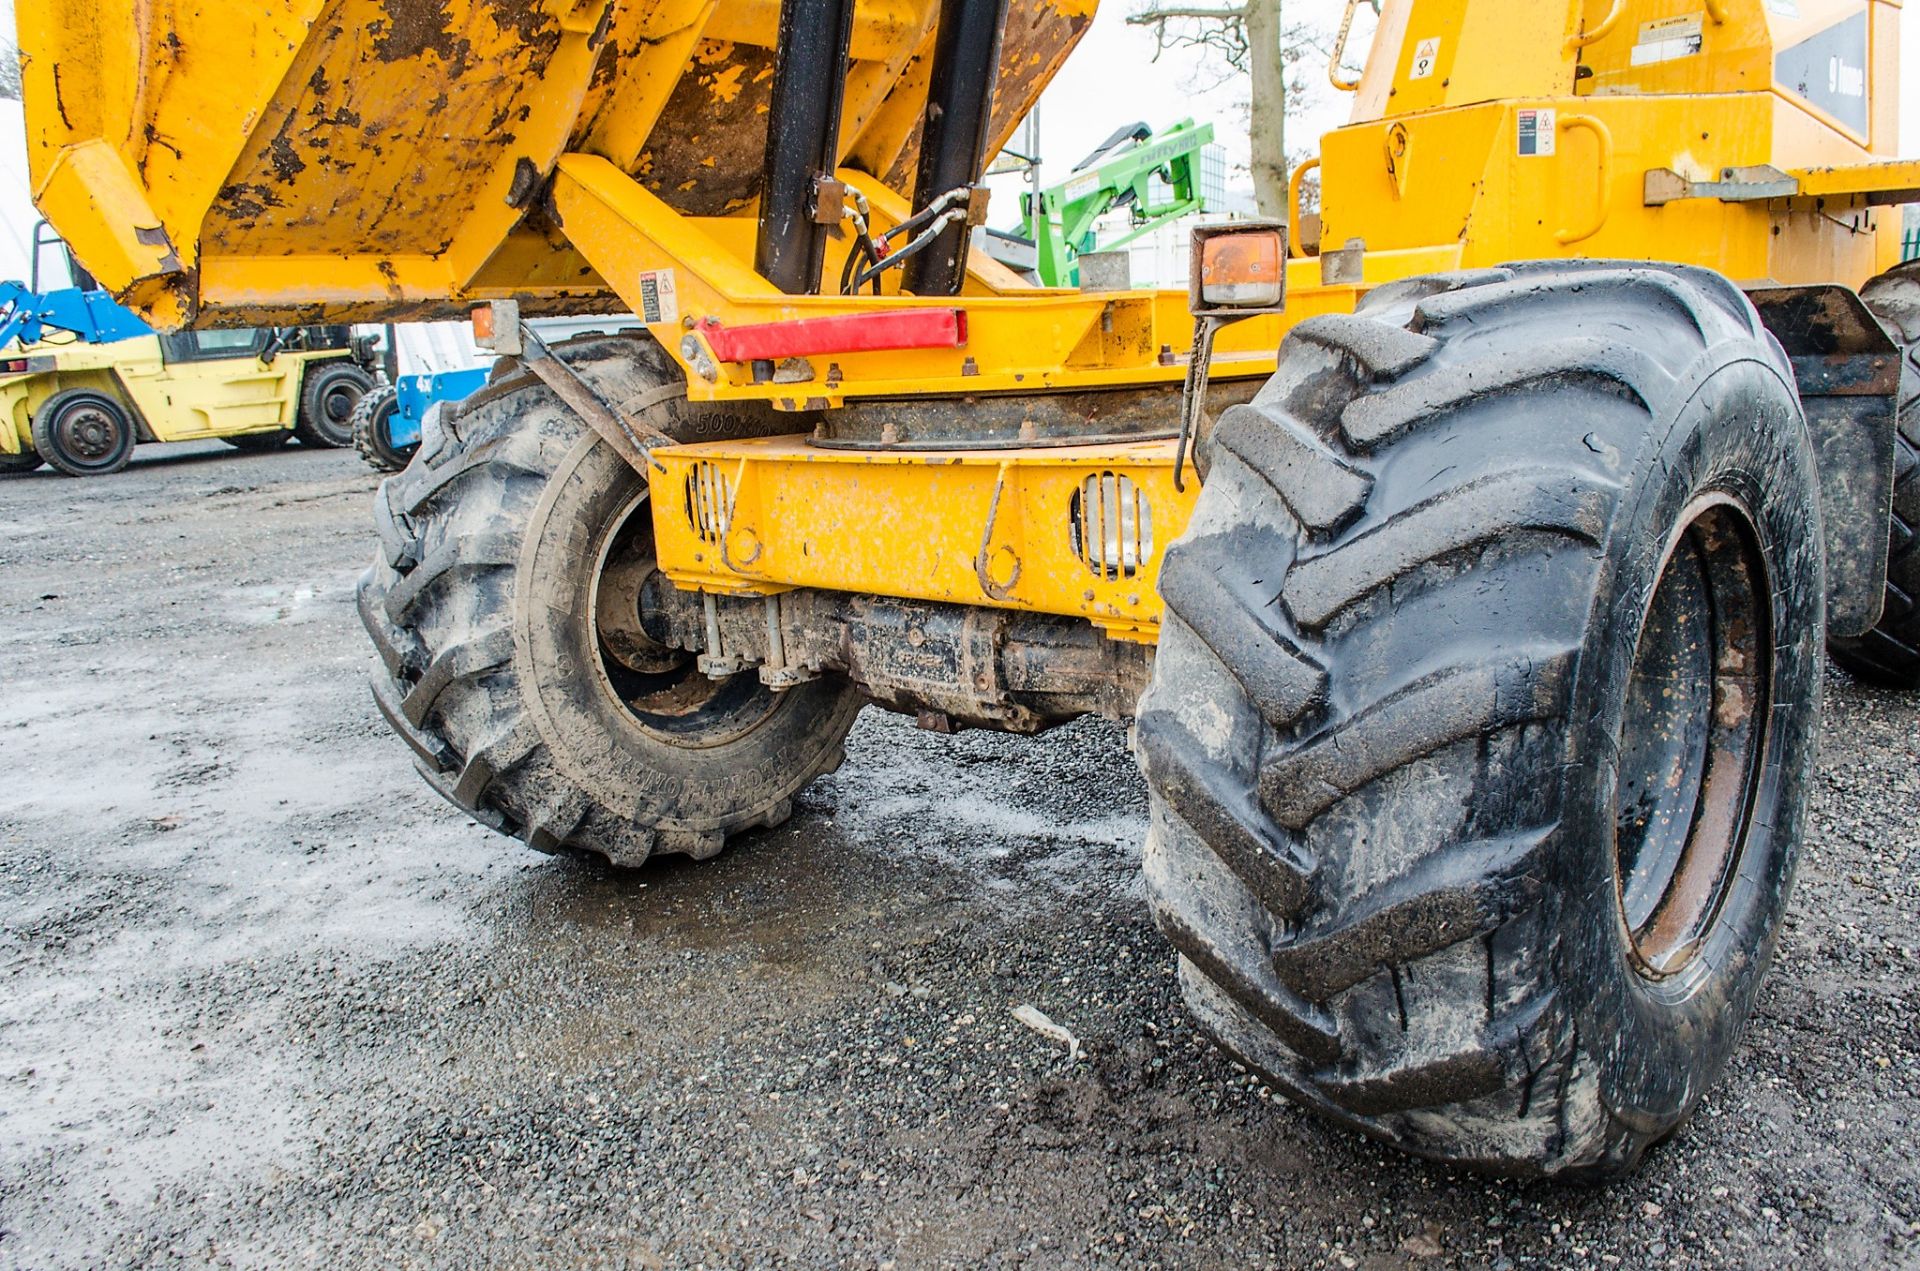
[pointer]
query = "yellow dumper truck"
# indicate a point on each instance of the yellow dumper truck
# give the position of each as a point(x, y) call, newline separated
point(1466, 573)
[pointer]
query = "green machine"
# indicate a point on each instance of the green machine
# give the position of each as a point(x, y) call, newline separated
point(1157, 178)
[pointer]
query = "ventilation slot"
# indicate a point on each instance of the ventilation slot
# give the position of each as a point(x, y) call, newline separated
point(1110, 526)
point(709, 501)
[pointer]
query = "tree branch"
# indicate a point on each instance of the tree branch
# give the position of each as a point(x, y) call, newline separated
point(1235, 14)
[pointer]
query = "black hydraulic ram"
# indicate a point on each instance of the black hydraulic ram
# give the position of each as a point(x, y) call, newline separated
point(803, 139)
point(953, 140)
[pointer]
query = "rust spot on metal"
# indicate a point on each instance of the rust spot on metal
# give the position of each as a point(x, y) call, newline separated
point(246, 200)
point(697, 123)
point(287, 163)
point(416, 27)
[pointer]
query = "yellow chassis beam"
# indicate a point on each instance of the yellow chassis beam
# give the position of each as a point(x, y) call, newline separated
point(1071, 530)
point(1025, 341)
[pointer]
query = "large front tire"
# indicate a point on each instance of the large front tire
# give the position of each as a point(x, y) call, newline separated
point(1889, 655)
point(1481, 728)
point(514, 659)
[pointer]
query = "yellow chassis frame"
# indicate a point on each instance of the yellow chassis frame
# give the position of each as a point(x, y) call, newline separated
point(980, 527)
point(1489, 131)
point(996, 527)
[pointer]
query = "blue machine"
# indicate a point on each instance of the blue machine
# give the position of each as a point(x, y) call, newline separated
point(89, 312)
point(414, 394)
point(387, 423)
point(94, 316)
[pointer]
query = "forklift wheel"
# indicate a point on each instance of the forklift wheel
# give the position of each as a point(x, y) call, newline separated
point(83, 433)
point(1482, 726)
point(25, 462)
point(373, 431)
point(507, 601)
point(327, 397)
point(1889, 655)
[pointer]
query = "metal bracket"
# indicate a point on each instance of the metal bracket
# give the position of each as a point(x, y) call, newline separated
point(1344, 266)
point(631, 439)
point(1753, 184)
point(1193, 395)
point(829, 200)
point(977, 199)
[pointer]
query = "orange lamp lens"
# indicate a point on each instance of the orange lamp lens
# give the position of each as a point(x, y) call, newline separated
point(1241, 271)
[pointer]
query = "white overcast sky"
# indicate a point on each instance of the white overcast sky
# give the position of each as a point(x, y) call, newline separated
point(1111, 80)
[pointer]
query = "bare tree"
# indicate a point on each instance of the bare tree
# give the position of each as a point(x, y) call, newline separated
point(1245, 37)
point(9, 71)
point(1251, 38)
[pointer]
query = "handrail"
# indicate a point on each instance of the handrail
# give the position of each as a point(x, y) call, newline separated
point(1717, 10)
point(1600, 32)
point(1300, 171)
point(1568, 123)
point(1340, 52)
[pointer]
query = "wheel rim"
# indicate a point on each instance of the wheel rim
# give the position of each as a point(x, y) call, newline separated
point(340, 402)
point(1693, 738)
point(87, 433)
point(662, 689)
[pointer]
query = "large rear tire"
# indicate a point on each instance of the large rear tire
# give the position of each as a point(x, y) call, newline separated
point(505, 601)
point(329, 391)
point(1481, 727)
point(83, 433)
point(1889, 655)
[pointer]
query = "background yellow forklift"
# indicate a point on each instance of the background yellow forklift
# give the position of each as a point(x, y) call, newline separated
point(1480, 630)
point(82, 379)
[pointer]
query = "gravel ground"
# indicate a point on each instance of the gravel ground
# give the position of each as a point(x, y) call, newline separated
point(267, 1002)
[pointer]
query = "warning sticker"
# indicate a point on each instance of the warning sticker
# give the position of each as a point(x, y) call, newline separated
point(1537, 128)
point(1830, 70)
point(659, 298)
point(1667, 40)
point(1425, 55)
point(1080, 187)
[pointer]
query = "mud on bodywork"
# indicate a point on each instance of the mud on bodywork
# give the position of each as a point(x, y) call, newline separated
point(398, 137)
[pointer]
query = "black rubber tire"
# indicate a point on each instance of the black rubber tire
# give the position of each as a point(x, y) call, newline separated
point(104, 448)
point(1889, 655)
point(372, 431)
point(478, 601)
point(26, 462)
point(1384, 736)
point(329, 391)
point(259, 443)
